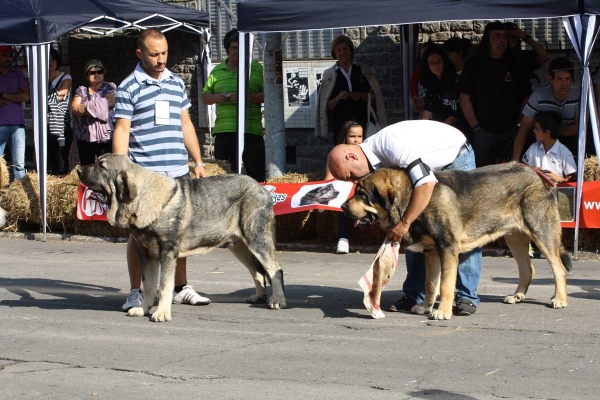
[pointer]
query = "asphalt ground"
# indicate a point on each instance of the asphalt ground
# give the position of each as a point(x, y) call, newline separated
point(64, 336)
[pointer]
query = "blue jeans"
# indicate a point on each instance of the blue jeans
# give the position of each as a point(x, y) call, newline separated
point(469, 264)
point(16, 135)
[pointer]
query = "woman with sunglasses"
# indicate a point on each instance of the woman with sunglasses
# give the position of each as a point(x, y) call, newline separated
point(92, 108)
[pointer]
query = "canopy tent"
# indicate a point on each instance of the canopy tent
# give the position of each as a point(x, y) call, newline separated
point(579, 18)
point(36, 23)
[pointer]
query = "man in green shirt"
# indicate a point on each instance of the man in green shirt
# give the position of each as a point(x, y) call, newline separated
point(221, 89)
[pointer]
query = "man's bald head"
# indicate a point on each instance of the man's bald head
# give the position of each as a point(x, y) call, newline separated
point(347, 162)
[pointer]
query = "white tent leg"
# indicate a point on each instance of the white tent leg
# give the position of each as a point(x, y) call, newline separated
point(37, 59)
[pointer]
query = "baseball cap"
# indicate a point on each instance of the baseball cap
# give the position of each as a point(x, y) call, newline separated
point(91, 64)
point(6, 49)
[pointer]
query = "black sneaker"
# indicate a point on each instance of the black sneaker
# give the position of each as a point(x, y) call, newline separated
point(464, 307)
point(405, 304)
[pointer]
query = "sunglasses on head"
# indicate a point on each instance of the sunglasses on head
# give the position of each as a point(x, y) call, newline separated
point(96, 72)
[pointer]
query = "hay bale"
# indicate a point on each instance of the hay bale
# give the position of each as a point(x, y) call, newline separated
point(590, 169)
point(296, 226)
point(215, 167)
point(294, 177)
point(61, 201)
point(4, 176)
point(21, 199)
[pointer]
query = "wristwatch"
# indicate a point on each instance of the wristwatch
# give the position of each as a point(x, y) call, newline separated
point(200, 164)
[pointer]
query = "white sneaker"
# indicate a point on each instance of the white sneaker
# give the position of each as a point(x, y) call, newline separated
point(343, 246)
point(189, 296)
point(134, 299)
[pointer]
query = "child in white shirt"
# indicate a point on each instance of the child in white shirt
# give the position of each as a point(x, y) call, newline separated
point(548, 154)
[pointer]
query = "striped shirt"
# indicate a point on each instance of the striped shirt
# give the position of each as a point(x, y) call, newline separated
point(223, 80)
point(159, 148)
point(542, 99)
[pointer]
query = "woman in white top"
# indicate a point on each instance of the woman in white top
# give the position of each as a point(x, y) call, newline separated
point(59, 141)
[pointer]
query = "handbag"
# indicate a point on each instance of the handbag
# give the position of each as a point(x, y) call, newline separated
point(57, 111)
point(373, 125)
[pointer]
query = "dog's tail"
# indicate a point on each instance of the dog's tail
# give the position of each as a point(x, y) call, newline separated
point(566, 259)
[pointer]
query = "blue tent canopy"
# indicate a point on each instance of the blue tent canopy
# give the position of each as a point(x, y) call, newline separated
point(30, 22)
point(293, 15)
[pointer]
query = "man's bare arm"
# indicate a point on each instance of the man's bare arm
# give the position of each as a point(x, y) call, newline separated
point(521, 138)
point(419, 200)
point(190, 141)
point(121, 136)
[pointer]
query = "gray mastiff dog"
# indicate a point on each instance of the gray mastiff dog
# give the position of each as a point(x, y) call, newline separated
point(171, 218)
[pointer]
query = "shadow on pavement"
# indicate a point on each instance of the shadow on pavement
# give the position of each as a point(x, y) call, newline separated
point(67, 295)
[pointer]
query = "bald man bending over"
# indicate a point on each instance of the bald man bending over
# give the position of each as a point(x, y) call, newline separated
point(420, 147)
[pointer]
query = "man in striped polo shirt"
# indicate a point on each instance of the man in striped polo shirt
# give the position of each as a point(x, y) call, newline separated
point(560, 96)
point(154, 128)
point(221, 89)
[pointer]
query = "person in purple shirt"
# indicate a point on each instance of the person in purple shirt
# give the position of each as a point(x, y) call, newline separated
point(13, 91)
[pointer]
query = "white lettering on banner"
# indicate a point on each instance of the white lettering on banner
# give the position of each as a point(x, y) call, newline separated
point(590, 205)
point(275, 197)
point(90, 206)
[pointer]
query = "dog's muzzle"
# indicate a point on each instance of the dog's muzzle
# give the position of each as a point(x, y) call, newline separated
point(367, 220)
point(99, 195)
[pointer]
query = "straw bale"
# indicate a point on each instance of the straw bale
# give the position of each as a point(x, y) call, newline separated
point(4, 176)
point(215, 167)
point(295, 177)
point(590, 170)
point(296, 226)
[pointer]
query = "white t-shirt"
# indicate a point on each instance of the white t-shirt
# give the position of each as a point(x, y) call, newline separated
point(558, 159)
point(398, 145)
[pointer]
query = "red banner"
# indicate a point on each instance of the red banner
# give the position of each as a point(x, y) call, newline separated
point(589, 216)
point(329, 195)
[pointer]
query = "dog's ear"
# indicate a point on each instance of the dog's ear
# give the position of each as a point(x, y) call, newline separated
point(386, 196)
point(126, 188)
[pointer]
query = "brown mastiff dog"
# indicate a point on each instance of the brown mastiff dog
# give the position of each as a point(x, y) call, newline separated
point(469, 209)
point(171, 218)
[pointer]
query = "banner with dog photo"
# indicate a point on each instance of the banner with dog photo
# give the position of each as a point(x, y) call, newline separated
point(330, 195)
point(286, 197)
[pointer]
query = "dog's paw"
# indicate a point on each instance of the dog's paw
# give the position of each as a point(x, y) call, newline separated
point(136, 312)
point(421, 309)
point(161, 316)
point(275, 304)
point(256, 299)
point(515, 298)
point(439, 315)
point(559, 303)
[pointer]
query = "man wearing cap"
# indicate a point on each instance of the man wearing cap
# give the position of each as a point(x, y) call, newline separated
point(13, 91)
point(154, 128)
point(420, 147)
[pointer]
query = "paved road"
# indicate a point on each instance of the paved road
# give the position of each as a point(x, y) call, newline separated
point(63, 336)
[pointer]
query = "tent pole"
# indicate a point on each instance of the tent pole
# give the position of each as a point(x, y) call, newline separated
point(242, 97)
point(37, 60)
